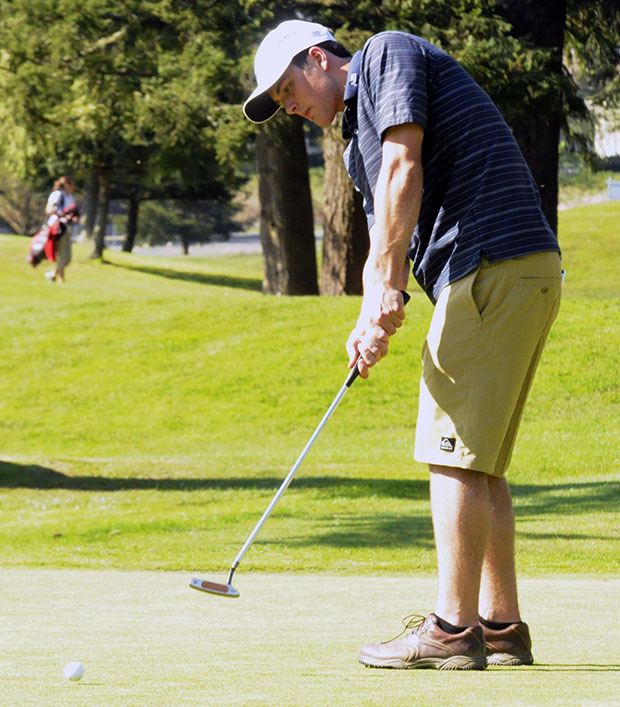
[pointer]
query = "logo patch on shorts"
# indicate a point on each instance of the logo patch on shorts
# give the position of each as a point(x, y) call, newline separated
point(447, 444)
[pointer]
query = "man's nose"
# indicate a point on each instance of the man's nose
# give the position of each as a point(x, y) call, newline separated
point(290, 107)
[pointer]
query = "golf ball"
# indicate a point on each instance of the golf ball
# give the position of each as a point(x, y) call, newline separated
point(73, 670)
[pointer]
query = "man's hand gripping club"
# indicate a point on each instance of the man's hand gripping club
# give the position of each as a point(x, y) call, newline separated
point(382, 314)
point(397, 199)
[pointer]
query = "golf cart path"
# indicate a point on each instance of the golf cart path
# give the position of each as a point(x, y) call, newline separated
point(146, 638)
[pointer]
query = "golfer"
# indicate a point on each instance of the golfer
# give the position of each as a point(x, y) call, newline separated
point(58, 202)
point(448, 195)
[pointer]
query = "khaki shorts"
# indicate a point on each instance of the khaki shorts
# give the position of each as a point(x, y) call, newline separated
point(479, 359)
point(63, 252)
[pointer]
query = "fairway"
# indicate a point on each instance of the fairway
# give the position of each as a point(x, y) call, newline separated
point(149, 410)
point(145, 638)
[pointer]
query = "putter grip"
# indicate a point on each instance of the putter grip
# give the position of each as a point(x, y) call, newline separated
point(355, 371)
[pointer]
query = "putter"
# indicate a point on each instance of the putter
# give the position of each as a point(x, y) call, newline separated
point(227, 590)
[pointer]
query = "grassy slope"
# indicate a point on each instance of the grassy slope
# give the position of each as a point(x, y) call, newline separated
point(150, 408)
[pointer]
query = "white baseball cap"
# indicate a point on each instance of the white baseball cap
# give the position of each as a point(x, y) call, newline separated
point(273, 57)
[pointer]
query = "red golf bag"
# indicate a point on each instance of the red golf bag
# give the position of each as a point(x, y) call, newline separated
point(44, 242)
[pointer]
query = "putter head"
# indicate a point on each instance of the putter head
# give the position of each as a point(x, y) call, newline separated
point(223, 590)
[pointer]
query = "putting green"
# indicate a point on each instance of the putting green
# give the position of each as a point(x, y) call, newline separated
point(146, 638)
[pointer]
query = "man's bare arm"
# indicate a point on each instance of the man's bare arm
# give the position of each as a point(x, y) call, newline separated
point(397, 200)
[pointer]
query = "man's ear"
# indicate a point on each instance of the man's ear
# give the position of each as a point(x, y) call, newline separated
point(319, 56)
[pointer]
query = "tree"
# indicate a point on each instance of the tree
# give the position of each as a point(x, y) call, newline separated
point(287, 229)
point(514, 49)
point(91, 202)
point(132, 223)
point(146, 95)
point(22, 205)
point(592, 30)
point(536, 124)
point(185, 221)
point(345, 230)
point(101, 221)
point(286, 221)
point(196, 151)
point(593, 85)
point(128, 91)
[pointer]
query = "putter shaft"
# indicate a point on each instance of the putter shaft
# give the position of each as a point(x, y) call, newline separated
point(351, 377)
point(353, 374)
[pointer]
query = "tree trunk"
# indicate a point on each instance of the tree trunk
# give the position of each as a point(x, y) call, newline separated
point(102, 216)
point(132, 224)
point(21, 207)
point(538, 131)
point(91, 202)
point(345, 234)
point(286, 227)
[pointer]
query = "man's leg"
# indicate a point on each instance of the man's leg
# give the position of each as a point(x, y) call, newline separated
point(498, 587)
point(469, 508)
point(461, 517)
point(507, 638)
point(461, 510)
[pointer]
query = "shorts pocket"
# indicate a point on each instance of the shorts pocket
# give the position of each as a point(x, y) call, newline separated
point(545, 284)
point(469, 284)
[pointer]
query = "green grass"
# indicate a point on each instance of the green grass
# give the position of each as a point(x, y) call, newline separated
point(150, 408)
point(146, 639)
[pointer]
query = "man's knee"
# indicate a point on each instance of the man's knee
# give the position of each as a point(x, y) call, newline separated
point(457, 472)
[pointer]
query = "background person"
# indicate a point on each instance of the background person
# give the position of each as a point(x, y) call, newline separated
point(59, 206)
point(447, 191)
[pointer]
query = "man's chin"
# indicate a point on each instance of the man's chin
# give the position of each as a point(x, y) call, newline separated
point(322, 121)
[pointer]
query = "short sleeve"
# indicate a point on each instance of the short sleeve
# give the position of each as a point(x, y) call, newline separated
point(54, 198)
point(394, 75)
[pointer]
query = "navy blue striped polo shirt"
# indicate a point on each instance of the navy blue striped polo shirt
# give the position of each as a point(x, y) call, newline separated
point(479, 198)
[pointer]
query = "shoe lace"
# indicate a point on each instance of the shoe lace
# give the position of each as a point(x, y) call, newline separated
point(413, 621)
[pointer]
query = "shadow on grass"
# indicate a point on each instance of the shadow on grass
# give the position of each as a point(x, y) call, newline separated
point(530, 499)
point(39, 477)
point(567, 536)
point(341, 530)
point(381, 530)
point(242, 283)
point(565, 499)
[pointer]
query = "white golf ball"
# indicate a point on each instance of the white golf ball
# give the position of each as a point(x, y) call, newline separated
point(73, 670)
